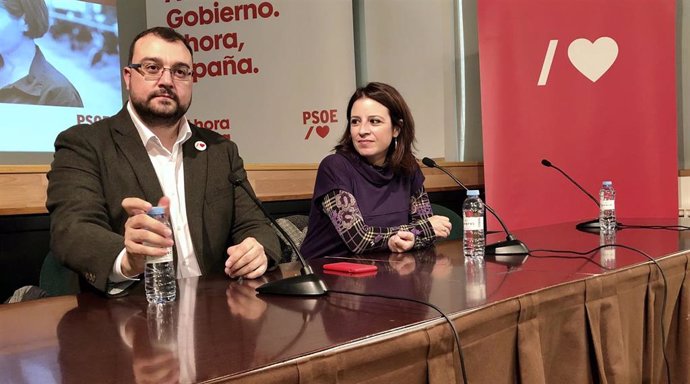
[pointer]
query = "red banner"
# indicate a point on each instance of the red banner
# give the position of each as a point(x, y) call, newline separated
point(589, 85)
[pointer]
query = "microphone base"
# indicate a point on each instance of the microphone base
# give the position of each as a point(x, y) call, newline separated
point(302, 285)
point(506, 248)
point(512, 253)
point(592, 226)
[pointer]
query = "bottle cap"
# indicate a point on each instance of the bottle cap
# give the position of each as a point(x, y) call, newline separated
point(472, 192)
point(607, 183)
point(156, 211)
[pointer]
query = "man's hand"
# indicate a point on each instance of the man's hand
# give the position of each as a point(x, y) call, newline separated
point(246, 259)
point(402, 241)
point(144, 236)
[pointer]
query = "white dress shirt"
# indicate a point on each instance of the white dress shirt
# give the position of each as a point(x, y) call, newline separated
point(169, 168)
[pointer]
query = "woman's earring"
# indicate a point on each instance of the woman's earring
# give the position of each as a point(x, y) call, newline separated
point(395, 143)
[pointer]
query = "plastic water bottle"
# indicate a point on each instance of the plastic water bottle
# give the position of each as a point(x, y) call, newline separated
point(473, 237)
point(607, 207)
point(159, 274)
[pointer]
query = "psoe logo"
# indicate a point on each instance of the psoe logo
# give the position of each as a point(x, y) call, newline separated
point(592, 59)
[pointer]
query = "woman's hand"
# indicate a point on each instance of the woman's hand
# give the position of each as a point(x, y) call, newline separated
point(402, 241)
point(441, 225)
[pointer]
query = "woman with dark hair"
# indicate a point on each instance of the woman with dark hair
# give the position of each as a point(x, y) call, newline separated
point(25, 75)
point(369, 195)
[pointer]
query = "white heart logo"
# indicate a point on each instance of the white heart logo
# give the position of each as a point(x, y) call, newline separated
point(593, 59)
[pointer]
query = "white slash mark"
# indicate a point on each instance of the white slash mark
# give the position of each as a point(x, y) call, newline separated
point(548, 59)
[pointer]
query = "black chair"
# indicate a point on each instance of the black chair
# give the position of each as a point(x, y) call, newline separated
point(296, 228)
point(56, 279)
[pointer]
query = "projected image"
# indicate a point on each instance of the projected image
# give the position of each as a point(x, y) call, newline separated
point(60, 56)
point(48, 47)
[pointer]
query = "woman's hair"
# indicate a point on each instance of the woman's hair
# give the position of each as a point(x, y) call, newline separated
point(400, 156)
point(35, 14)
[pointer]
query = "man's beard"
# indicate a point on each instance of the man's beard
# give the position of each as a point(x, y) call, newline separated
point(156, 116)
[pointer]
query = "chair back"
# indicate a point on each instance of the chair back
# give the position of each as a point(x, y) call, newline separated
point(296, 228)
point(56, 279)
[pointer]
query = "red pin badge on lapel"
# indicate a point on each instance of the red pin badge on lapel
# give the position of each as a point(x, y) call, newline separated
point(200, 146)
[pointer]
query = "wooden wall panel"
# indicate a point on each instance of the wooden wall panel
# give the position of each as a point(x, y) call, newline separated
point(23, 188)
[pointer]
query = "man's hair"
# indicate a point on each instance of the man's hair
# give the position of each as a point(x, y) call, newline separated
point(400, 156)
point(168, 34)
point(34, 12)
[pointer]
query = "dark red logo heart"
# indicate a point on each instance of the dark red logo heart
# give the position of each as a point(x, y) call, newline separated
point(322, 130)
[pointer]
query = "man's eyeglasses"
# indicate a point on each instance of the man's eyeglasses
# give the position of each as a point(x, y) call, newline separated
point(153, 72)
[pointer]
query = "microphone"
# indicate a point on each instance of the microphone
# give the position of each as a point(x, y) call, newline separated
point(585, 226)
point(511, 245)
point(306, 284)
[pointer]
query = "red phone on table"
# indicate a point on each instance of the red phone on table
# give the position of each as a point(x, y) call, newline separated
point(350, 268)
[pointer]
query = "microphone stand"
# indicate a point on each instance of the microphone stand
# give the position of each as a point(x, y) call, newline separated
point(591, 226)
point(510, 246)
point(305, 284)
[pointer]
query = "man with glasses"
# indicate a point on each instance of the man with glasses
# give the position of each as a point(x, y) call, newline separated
point(106, 176)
